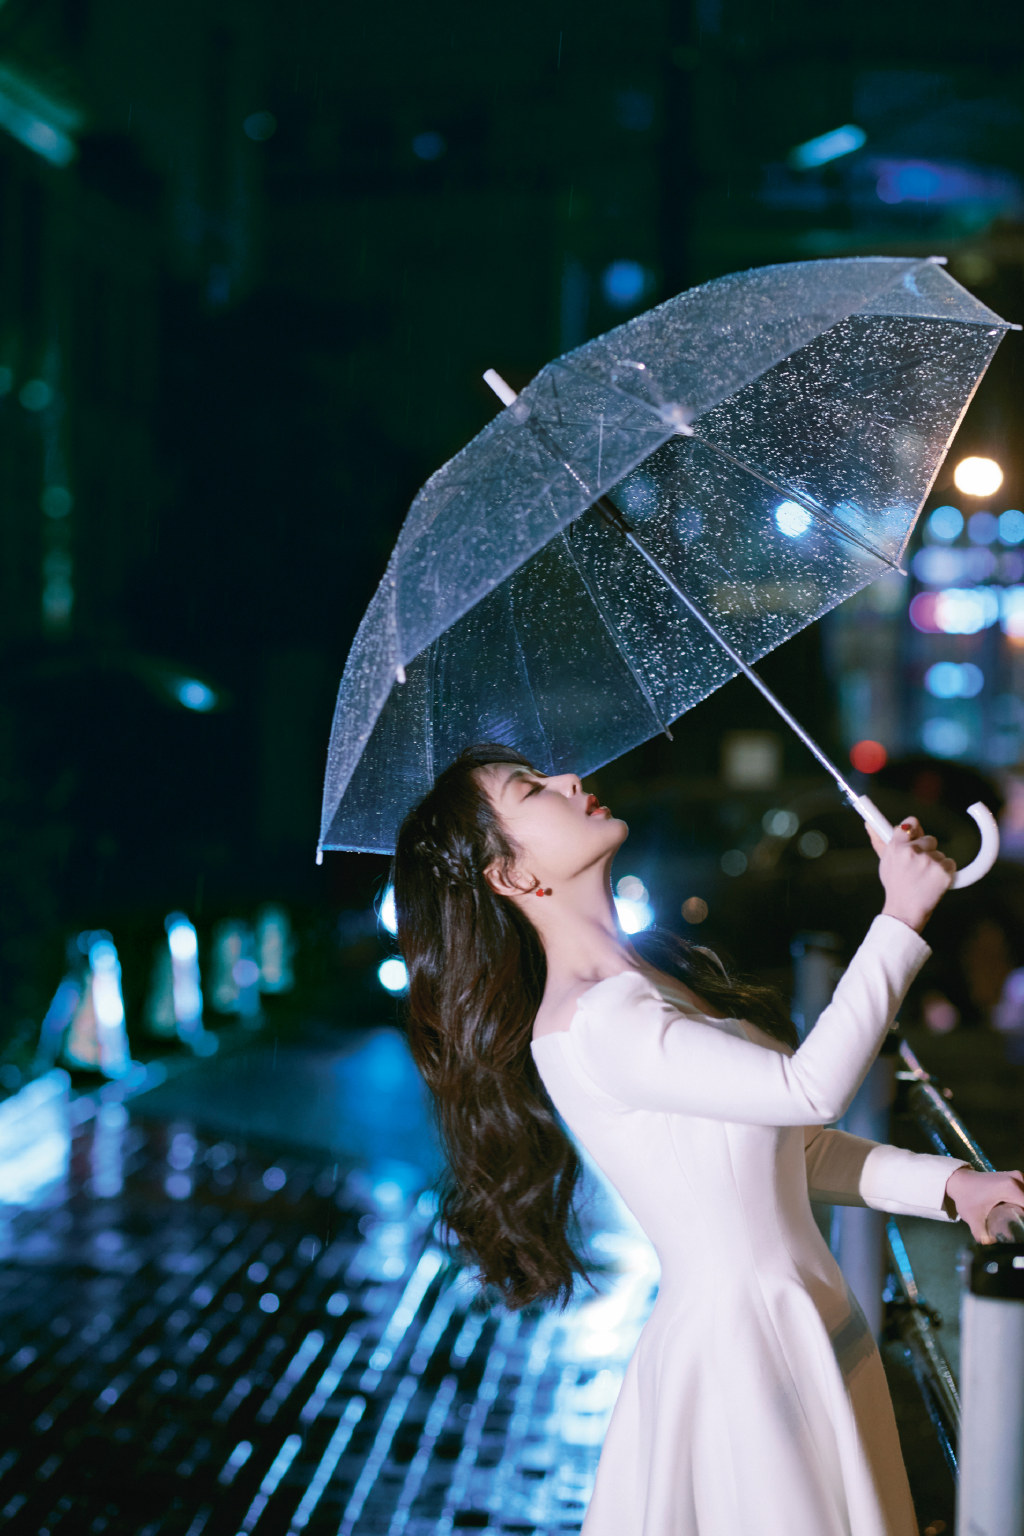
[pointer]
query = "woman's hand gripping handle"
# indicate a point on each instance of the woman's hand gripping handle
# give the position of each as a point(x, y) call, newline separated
point(879, 828)
point(913, 870)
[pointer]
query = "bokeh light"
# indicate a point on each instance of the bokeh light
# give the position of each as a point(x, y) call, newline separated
point(623, 283)
point(386, 913)
point(792, 519)
point(956, 610)
point(868, 756)
point(193, 694)
point(392, 974)
point(944, 737)
point(982, 528)
point(946, 523)
point(694, 909)
point(977, 476)
point(632, 904)
point(428, 145)
point(259, 126)
point(780, 823)
point(954, 680)
point(1011, 526)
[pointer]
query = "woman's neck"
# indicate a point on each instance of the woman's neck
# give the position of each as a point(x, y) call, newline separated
point(582, 938)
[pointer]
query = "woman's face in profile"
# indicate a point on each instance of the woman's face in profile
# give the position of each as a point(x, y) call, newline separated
point(560, 828)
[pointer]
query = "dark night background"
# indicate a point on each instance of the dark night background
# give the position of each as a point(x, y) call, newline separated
point(246, 316)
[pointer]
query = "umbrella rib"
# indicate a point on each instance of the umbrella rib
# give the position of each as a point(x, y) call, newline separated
point(747, 670)
point(798, 496)
point(614, 634)
point(521, 649)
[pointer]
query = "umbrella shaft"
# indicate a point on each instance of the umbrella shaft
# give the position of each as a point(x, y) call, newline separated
point(761, 686)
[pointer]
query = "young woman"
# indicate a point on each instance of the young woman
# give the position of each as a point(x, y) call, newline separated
point(755, 1399)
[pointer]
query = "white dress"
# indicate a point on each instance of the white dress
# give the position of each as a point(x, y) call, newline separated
point(755, 1399)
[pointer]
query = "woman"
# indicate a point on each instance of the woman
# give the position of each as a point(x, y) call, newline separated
point(755, 1399)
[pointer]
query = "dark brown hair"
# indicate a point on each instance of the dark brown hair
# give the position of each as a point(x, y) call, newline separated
point(476, 979)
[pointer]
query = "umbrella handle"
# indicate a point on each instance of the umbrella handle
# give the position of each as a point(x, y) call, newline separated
point(986, 823)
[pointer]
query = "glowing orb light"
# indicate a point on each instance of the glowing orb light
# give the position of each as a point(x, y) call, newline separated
point(977, 476)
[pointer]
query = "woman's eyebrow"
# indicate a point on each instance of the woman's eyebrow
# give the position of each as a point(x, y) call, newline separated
point(517, 774)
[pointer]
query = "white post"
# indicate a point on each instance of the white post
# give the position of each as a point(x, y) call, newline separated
point(990, 1496)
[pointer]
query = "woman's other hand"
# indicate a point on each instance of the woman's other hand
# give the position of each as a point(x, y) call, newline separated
point(974, 1193)
point(913, 870)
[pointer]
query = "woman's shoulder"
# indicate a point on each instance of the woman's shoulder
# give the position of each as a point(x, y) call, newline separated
point(610, 993)
point(559, 1008)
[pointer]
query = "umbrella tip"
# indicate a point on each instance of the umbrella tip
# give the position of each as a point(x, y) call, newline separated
point(319, 854)
point(505, 393)
point(939, 261)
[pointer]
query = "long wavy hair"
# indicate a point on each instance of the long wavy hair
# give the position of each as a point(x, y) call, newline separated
point(477, 973)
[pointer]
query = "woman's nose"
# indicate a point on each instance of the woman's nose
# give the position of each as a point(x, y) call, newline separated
point(571, 784)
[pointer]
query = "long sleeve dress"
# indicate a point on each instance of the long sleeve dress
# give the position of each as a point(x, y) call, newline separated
point(755, 1399)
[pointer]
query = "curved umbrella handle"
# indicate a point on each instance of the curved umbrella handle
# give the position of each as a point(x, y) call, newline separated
point(983, 817)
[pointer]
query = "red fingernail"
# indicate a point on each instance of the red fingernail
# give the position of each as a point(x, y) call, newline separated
point(905, 826)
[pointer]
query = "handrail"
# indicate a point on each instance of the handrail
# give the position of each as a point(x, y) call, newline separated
point(927, 1102)
point(916, 1321)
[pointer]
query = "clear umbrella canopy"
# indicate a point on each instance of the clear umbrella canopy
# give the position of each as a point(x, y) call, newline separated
point(770, 436)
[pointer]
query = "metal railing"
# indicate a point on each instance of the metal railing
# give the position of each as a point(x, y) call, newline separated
point(978, 1420)
point(928, 1103)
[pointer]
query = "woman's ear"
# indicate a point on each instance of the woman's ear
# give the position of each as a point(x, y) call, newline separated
point(499, 882)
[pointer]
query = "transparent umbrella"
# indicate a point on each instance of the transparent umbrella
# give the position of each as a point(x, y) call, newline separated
point(654, 512)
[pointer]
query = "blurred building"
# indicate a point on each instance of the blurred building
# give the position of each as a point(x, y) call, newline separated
point(254, 261)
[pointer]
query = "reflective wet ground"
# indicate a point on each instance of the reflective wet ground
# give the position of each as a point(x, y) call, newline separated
point(204, 1334)
point(224, 1309)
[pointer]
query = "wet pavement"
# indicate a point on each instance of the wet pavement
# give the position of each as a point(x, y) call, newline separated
point(224, 1309)
point(201, 1335)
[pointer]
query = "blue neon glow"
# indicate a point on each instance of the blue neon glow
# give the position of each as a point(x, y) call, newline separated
point(182, 939)
point(387, 913)
point(1011, 527)
point(623, 283)
point(106, 984)
point(393, 975)
point(954, 680)
point(194, 694)
point(828, 146)
point(792, 519)
point(946, 523)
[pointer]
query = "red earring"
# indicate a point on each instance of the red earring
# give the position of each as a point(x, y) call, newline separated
point(540, 891)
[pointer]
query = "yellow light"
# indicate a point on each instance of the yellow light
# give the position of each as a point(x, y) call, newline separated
point(977, 477)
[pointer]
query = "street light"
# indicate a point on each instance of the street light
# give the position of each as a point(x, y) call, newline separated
point(977, 476)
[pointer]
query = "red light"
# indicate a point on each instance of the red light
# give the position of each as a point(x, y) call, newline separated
point(868, 756)
point(922, 613)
